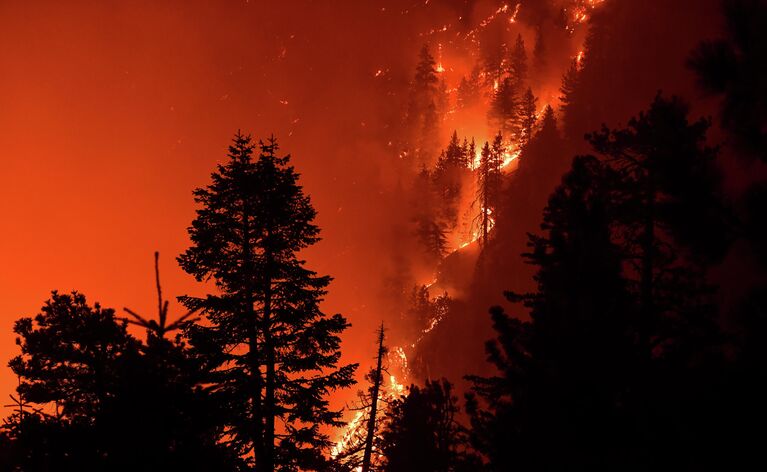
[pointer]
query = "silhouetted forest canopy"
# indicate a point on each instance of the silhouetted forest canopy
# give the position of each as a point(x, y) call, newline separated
point(580, 286)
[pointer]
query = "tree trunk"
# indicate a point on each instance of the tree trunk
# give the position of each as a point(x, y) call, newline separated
point(257, 420)
point(269, 401)
point(371, 429)
point(646, 277)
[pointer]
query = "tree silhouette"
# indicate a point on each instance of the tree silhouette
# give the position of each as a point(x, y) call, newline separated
point(376, 377)
point(359, 448)
point(71, 363)
point(422, 432)
point(489, 184)
point(160, 327)
point(450, 172)
point(518, 65)
point(558, 369)
point(568, 89)
point(669, 201)
point(88, 391)
point(422, 118)
point(527, 115)
point(469, 89)
point(620, 360)
point(503, 107)
point(273, 354)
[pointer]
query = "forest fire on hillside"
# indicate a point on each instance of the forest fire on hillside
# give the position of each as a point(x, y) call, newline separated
point(550, 211)
point(452, 77)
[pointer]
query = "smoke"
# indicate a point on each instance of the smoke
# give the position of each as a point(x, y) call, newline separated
point(119, 110)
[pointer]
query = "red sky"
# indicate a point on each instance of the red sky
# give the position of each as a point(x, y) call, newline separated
point(112, 112)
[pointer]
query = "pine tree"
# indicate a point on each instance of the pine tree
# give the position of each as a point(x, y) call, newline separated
point(424, 104)
point(555, 398)
point(448, 177)
point(493, 52)
point(568, 90)
point(469, 89)
point(489, 184)
point(426, 77)
point(271, 352)
point(672, 193)
point(503, 107)
point(526, 117)
point(423, 433)
point(518, 65)
point(432, 235)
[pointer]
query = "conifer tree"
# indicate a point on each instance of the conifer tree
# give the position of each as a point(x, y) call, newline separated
point(568, 90)
point(671, 189)
point(272, 353)
point(448, 177)
point(423, 433)
point(425, 101)
point(469, 89)
point(489, 184)
point(526, 117)
point(503, 107)
point(518, 65)
point(493, 55)
point(560, 374)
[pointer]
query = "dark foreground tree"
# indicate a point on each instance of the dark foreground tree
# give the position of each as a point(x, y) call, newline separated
point(88, 391)
point(557, 386)
point(272, 353)
point(621, 361)
point(422, 432)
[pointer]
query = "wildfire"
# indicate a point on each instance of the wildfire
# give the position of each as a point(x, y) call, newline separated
point(397, 357)
point(439, 67)
point(513, 18)
point(579, 58)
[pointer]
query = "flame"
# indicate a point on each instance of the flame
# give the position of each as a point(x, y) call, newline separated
point(513, 18)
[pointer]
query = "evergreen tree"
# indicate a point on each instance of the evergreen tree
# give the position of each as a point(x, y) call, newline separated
point(73, 357)
point(422, 432)
point(422, 119)
point(448, 177)
point(87, 389)
point(560, 375)
point(518, 65)
point(527, 114)
point(671, 209)
point(489, 184)
point(503, 107)
point(493, 55)
point(432, 235)
point(469, 89)
point(568, 90)
point(271, 351)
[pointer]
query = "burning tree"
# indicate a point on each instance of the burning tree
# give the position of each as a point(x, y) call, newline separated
point(359, 449)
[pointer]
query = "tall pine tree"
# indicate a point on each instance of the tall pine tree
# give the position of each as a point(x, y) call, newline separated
point(273, 354)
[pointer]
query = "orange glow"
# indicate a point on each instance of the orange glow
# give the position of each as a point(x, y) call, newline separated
point(113, 116)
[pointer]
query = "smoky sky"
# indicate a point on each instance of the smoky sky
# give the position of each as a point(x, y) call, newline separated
point(111, 113)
